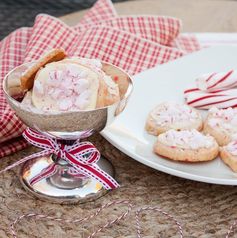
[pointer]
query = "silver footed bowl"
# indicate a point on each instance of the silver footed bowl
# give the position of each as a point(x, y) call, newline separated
point(67, 125)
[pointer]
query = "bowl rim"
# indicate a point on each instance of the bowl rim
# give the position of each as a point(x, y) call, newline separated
point(125, 96)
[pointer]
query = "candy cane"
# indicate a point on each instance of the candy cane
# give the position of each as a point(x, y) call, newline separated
point(214, 81)
point(229, 92)
point(204, 100)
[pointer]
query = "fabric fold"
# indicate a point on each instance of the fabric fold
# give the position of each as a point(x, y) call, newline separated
point(134, 43)
point(159, 29)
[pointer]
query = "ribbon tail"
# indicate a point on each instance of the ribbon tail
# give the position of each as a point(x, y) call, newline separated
point(95, 172)
point(45, 173)
point(41, 153)
point(106, 178)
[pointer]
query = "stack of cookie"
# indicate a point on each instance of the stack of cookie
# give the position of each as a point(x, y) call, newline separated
point(56, 83)
point(183, 136)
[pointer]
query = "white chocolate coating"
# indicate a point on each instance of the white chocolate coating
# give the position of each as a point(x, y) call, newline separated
point(96, 66)
point(65, 87)
point(188, 139)
point(69, 85)
point(232, 147)
point(170, 112)
point(224, 118)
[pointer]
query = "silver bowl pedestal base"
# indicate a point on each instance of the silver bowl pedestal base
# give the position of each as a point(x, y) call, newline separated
point(62, 187)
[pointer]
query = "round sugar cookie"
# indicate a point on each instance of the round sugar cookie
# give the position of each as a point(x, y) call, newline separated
point(228, 154)
point(171, 115)
point(186, 146)
point(27, 79)
point(65, 86)
point(108, 90)
point(221, 124)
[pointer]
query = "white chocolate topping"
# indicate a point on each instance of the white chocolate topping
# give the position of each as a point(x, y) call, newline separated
point(96, 66)
point(224, 118)
point(170, 112)
point(187, 139)
point(232, 147)
point(72, 84)
point(61, 86)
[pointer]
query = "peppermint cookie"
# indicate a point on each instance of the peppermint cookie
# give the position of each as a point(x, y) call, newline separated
point(64, 86)
point(228, 154)
point(27, 79)
point(222, 125)
point(108, 91)
point(187, 146)
point(70, 84)
point(73, 84)
point(170, 115)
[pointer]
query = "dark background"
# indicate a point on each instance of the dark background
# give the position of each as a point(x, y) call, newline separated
point(18, 13)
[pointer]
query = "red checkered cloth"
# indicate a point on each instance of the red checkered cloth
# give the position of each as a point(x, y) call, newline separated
point(134, 43)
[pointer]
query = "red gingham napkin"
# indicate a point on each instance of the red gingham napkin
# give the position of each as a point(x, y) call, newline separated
point(134, 43)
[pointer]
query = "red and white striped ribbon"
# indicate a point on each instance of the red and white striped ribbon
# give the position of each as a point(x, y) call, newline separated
point(82, 156)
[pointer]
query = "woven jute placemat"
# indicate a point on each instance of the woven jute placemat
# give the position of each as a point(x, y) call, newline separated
point(204, 210)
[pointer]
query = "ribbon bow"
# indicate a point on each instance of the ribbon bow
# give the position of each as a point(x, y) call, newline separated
point(82, 156)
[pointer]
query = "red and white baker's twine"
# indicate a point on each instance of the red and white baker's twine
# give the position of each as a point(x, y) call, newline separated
point(129, 205)
point(82, 156)
point(88, 218)
point(168, 216)
point(108, 224)
point(230, 231)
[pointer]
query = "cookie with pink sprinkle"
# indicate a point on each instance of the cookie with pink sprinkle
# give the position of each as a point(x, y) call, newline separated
point(171, 115)
point(27, 78)
point(228, 155)
point(222, 125)
point(186, 146)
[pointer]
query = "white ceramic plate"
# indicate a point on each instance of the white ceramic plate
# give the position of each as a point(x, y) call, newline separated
point(167, 83)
